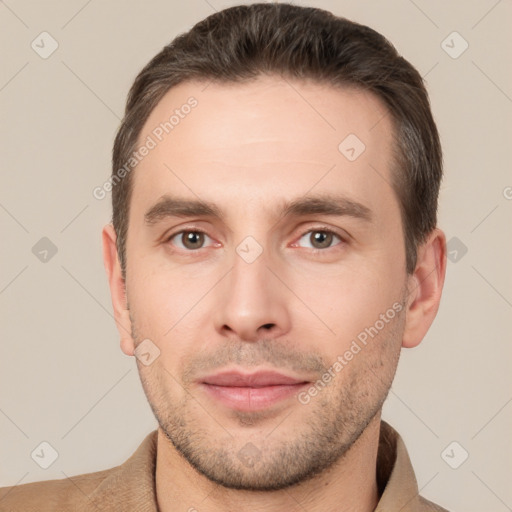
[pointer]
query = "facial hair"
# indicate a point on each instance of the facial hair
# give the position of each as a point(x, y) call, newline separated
point(271, 453)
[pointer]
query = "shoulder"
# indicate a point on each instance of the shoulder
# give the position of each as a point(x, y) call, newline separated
point(52, 495)
point(130, 485)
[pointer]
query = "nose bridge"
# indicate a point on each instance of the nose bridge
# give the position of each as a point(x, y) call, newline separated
point(249, 282)
point(252, 302)
point(252, 253)
point(250, 272)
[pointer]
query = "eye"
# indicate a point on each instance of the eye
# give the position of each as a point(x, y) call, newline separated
point(319, 239)
point(189, 240)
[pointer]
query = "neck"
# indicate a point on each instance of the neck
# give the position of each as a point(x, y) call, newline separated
point(349, 485)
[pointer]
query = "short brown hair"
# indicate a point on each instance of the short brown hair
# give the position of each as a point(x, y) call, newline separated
point(240, 43)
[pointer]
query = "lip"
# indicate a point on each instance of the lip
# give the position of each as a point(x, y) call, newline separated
point(251, 391)
point(254, 380)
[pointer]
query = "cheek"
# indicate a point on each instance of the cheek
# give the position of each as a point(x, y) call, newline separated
point(170, 309)
point(350, 301)
point(157, 302)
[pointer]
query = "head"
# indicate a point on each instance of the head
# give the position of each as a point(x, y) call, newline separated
point(281, 217)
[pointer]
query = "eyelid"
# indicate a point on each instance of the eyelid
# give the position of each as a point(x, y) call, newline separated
point(186, 229)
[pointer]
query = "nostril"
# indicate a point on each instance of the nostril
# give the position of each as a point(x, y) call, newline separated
point(268, 326)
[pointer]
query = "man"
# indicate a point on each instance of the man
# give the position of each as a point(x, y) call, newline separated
point(273, 246)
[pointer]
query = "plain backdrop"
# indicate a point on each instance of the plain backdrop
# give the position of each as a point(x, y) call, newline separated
point(63, 377)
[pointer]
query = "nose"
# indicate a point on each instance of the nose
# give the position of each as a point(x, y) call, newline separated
point(251, 303)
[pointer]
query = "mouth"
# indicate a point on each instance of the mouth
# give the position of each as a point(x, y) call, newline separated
point(251, 391)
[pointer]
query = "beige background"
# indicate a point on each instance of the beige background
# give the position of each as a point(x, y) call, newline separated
point(63, 378)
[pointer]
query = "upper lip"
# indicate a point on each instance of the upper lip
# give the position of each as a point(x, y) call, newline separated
point(257, 380)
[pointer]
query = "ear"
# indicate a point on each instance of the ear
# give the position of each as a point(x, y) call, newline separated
point(425, 287)
point(117, 289)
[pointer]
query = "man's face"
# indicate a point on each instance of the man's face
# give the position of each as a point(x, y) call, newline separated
point(253, 302)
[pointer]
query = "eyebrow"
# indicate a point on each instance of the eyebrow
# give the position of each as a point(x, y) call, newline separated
point(327, 204)
point(324, 204)
point(169, 206)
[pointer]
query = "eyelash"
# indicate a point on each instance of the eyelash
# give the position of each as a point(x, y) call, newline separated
point(322, 229)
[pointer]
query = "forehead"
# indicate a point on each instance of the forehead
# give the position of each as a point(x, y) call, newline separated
point(268, 137)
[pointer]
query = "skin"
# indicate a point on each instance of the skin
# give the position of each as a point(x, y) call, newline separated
point(248, 148)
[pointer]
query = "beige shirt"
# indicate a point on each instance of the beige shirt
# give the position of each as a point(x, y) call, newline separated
point(131, 486)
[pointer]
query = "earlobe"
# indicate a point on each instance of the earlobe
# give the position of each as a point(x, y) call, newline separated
point(425, 287)
point(117, 289)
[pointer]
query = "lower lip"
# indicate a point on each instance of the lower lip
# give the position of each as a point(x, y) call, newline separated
point(252, 399)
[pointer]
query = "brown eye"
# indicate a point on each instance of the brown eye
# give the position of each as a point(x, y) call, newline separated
point(189, 240)
point(192, 239)
point(319, 239)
